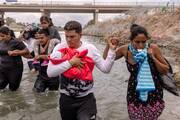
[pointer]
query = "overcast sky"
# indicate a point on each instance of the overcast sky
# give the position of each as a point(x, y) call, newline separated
point(40, 1)
point(60, 19)
point(95, 0)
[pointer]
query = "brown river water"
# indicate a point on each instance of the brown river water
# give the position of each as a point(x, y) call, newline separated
point(109, 89)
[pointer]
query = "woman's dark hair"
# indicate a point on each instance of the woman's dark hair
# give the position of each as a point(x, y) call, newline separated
point(51, 22)
point(136, 30)
point(44, 31)
point(73, 25)
point(133, 26)
point(45, 18)
point(4, 30)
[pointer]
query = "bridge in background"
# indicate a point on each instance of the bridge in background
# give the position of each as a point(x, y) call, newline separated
point(48, 7)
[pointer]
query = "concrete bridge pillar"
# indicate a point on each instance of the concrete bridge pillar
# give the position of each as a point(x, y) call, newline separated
point(1, 18)
point(45, 13)
point(95, 16)
point(1, 14)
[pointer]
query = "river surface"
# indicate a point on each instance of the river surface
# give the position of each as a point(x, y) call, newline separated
point(109, 89)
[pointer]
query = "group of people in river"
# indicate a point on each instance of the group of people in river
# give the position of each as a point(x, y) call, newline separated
point(70, 64)
point(35, 44)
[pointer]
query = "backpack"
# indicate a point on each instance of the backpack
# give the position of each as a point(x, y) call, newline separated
point(168, 81)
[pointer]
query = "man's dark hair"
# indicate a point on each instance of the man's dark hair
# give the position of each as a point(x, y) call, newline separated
point(73, 25)
point(4, 30)
point(44, 31)
point(51, 22)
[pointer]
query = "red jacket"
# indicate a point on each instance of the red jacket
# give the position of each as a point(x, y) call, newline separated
point(84, 73)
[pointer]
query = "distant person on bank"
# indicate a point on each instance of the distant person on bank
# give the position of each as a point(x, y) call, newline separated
point(11, 65)
point(145, 63)
point(77, 101)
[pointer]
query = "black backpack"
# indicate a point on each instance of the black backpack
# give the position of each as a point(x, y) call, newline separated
point(168, 81)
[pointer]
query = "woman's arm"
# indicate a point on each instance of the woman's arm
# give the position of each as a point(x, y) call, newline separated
point(161, 64)
point(121, 51)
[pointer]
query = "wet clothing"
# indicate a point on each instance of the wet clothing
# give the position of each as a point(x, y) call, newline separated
point(12, 77)
point(11, 67)
point(77, 101)
point(153, 107)
point(83, 108)
point(43, 81)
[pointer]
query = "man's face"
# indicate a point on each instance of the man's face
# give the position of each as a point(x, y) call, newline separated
point(4, 37)
point(73, 38)
point(42, 38)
